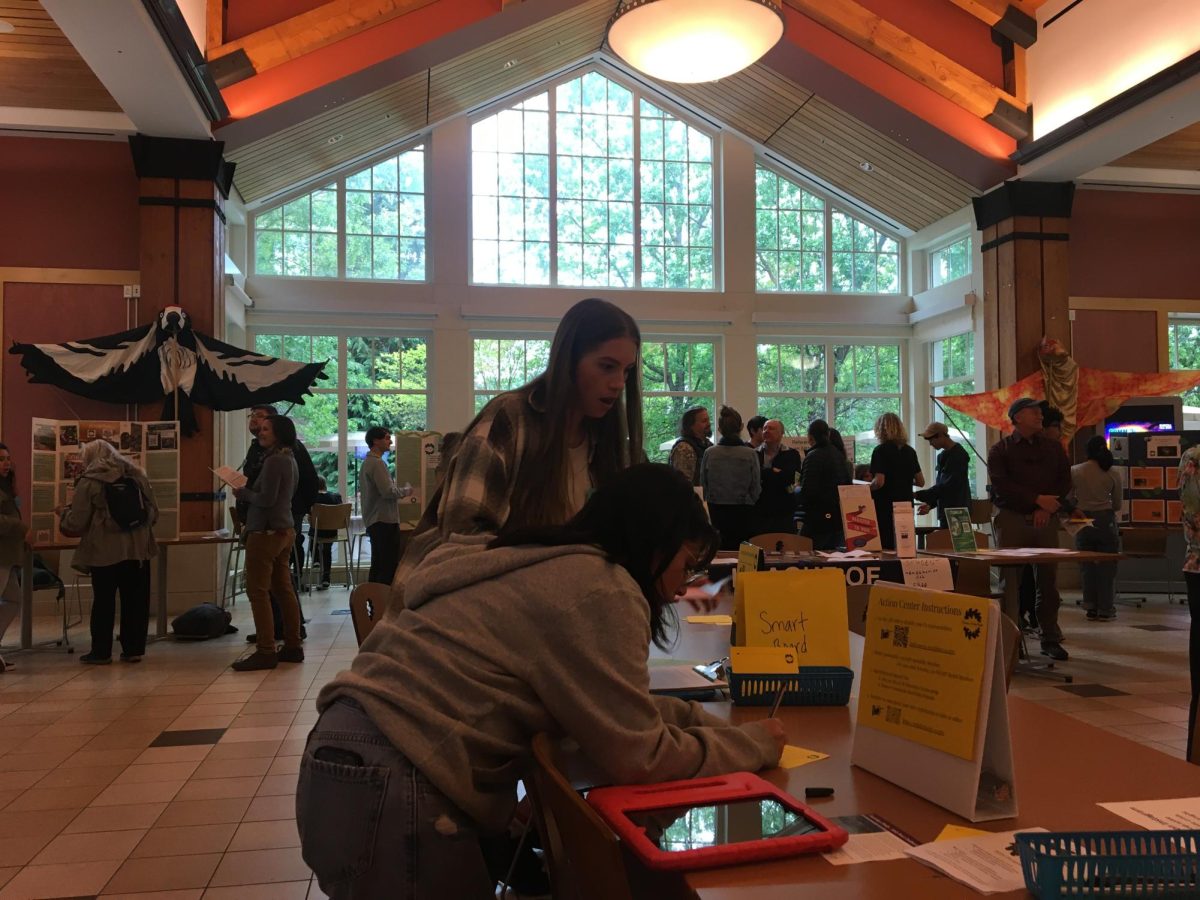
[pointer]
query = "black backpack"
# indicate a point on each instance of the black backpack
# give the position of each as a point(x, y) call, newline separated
point(126, 504)
point(203, 622)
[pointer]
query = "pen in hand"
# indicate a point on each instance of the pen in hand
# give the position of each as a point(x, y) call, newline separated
point(778, 701)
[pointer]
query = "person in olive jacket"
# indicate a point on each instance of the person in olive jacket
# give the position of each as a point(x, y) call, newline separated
point(13, 535)
point(824, 469)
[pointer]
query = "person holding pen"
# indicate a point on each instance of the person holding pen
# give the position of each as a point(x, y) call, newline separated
point(410, 773)
point(378, 494)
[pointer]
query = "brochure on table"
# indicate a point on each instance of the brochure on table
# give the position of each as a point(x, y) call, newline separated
point(57, 464)
point(416, 455)
point(962, 530)
point(932, 711)
point(859, 523)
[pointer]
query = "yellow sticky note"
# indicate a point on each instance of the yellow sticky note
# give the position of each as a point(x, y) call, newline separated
point(764, 660)
point(710, 620)
point(954, 832)
point(800, 608)
point(798, 756)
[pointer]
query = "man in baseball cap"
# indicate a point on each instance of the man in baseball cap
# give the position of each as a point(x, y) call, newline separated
point(952, 485)
point(1030, 477)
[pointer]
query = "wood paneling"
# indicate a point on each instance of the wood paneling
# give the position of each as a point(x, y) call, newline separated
point(756, 101)
point(39, 69)
point(1180, 150)
point(1102, 337)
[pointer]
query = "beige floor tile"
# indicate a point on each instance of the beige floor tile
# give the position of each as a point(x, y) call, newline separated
point(285, 765)
point(205, 812)
point(260, 866)
point(242, 735)
point(18, 850)
point(246, 750)
point(220, 788)
point(263, 720)
point(283, 890)
point(55, 743)
point(1112, 716)
point(232, 768)
point(101, 757)
point(6, 874)
point(123, 739)
point(164, 873)
point(8, 796)
point(72, 728)
point(267, 835)
point(188, 753)
point(105, 819)
point(265, 808)
point(189, 894)
point(48, 822)
point(31, 762)
point(1176, 714)
point(1073, 704)
point(256, 706)
point(131, 794)
point(54, 798)
point(1160, 731)
point(292, 746)
point(61, 880)
point(274, 785)
point(19, 781)
point(184, 840)
point(143, 774)
point(83, 775)
point(202, 707)
point(88, 847)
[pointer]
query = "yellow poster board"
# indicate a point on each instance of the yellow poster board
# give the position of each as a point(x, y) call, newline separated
point(800, 608)
point(749, 557)
point(923, 667)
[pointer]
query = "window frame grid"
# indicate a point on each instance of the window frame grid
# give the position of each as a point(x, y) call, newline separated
point(526, 337)
point(1176, 321)
point(932, 252)
point(716, 395)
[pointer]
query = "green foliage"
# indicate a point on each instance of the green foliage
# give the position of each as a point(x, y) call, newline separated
point(1185, 354)
point(950, 262)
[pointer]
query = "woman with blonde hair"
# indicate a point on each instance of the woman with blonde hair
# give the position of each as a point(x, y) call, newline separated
point(115, 553)
point(894, 471)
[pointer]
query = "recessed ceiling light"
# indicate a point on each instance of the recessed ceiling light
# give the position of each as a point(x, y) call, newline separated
point(334, 139)
point(511, 63)
point(866, 167)
point(6, 27)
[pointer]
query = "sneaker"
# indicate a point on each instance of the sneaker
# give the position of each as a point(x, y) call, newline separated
point(1105, 617)
point(4, 666)
point(131, 657)
point(324, 586)
point(93, 659)
point(1092, 615)
point(255, 662)
point(291, 654)
point(1054, 650)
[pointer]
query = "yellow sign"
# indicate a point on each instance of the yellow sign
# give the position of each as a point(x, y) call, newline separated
point(748, 557)
point(710, 620)
point(798, 756)
point(954, 832)
point(764, 660)
point(800, 608)
point(922, 669)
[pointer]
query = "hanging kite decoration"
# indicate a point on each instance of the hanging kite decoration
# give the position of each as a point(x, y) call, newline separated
point(1084, 396)
point(168, 358)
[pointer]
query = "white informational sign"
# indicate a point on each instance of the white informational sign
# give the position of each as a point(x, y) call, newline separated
point(858, 517)
point(906, 530)
point(1162, 447)
point(1160, 815)
point(985, 863)
point(930, 572)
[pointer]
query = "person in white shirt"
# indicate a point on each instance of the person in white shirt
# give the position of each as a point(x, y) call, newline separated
point(378, 494)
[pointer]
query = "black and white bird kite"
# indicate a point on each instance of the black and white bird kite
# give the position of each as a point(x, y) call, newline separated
point(168, 358)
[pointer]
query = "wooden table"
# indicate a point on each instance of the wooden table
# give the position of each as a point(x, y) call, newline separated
point(1034, 559)
point(1063, 768)
point(207, 537)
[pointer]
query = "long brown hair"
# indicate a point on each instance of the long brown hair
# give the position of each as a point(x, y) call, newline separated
point(8, 483)
point(540, 494)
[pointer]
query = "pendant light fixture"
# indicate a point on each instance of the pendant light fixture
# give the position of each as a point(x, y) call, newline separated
point(690, 41)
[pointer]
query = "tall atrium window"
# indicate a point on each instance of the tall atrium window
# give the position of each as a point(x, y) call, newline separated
point(502, 364)
point(380, 236)
point(1183, 336)
point(591, 184)
point(952, 374)
point(864, 261)
point(676, 375)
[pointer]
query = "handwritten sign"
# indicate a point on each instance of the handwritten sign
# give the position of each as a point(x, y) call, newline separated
point(927, 572)
point(800, 608)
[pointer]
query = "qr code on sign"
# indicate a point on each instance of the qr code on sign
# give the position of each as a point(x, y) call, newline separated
point(900, 636)
point(893, 715)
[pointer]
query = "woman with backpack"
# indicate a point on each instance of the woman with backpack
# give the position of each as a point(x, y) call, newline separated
point(112, 513)
point(13, 535)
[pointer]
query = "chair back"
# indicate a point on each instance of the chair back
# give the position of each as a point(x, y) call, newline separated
point(330, 517)
point(981, 512)
point(1144, 541)
point(973, 578)
point(582, 854)
point(939, 540)
point(368, 603)
point(783, 540)
point(235, 520)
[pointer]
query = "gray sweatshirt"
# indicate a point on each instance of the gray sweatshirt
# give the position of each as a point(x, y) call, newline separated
point(271, 497)
point(495, 646)
point(1095, 490)
point(102, 542)
point(378, 493)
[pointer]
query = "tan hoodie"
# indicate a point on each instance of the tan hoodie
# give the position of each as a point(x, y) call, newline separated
point(494, 646)
point(102, 541)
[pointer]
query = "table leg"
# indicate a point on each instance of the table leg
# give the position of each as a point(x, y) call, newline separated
point(27, 600)
point(161, 629)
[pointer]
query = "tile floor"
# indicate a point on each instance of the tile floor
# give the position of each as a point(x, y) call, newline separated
point(174, 778)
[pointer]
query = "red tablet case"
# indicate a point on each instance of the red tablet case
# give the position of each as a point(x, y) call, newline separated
point(612, 803)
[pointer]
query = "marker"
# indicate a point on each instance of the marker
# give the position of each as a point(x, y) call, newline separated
point(815, 792)
point(778, 700)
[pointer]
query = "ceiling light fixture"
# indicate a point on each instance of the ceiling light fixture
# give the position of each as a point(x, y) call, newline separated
point(690, 41)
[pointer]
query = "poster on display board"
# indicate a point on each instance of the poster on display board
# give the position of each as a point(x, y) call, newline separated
point(416, 457)
point(58, 462)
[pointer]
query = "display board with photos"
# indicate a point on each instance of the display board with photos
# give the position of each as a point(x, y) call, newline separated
point(58, 463)
point(1148, 465)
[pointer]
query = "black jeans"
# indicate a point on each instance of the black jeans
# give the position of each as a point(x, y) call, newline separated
point(131, 577)
point(1193, 594)
point(385, 551)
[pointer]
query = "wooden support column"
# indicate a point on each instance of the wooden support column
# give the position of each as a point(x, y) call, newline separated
point(182, 187)
point(1024, 228)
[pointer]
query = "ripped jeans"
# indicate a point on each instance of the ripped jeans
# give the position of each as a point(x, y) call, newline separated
point(372, 826)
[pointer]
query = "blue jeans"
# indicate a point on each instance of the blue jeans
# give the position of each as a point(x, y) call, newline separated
point(372, 826)
point(1099, 579)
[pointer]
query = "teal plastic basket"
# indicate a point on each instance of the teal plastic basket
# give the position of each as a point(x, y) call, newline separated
point(1111, 863)
point(812, 686)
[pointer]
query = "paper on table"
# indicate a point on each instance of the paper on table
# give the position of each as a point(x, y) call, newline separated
point(710, 620)
point(794, 757)
point(954, 832)
point(231, 477)
point(849, 554)
point(985, 863)
point(872, 839)
point(1157, 815)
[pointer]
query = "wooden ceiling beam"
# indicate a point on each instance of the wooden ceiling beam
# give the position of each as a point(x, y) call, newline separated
point(1013, 20)
point(919, 61)
point(294, 37)
point(214, 31)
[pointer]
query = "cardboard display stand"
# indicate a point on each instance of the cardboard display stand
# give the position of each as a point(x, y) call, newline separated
point(932, 712)
point(1148, 466)
point(858, 517)
point(416, 455)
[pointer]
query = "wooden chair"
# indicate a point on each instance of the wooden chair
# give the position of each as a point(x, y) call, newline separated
point(367, 605)
point(328, 517)
point(973, 577)
point(582, 854)
point(233, 562)
point(782, 540)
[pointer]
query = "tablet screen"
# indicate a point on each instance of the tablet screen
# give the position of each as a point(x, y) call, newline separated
point(683, 828)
